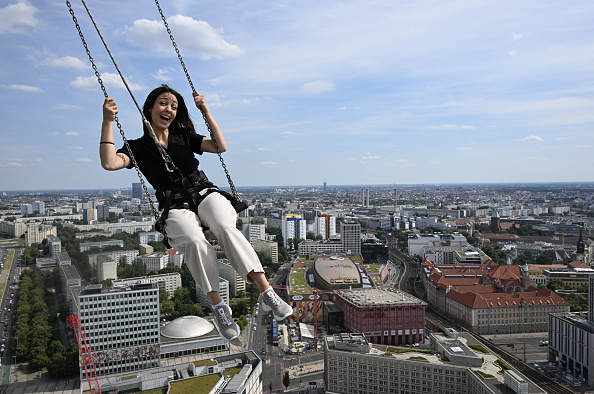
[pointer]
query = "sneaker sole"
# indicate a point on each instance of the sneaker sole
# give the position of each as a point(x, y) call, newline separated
point(268, 309)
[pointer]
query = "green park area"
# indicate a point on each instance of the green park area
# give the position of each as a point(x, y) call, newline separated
point(372, 268)
point(298, 282)
point(198, 385)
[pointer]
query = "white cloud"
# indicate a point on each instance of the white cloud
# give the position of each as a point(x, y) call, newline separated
point(320, 86)
point(561, 139)
point(12, 164)
point(465, 148)
point(37, 159)
point(68, 106)
point(452, 127)
point(197, 38)
point(352, 159)
point(23, 88)
point(533, 138)
point(65, 62)
point(269, 163)
point(583, 146)
point(264, 149)
point(163, 74)
point(517, 36)
point(84, 160)
point(512, 53)
point(54, 134)
point(72, 134)
point(15, 17)
point(110, 80)
point(290, 134)
point(369, 156)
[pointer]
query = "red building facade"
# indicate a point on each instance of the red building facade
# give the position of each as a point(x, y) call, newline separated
point(385, 317)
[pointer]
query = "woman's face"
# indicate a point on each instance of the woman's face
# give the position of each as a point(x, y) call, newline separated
point(163, 111)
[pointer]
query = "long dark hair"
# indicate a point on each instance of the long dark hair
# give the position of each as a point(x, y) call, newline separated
point(182, 118)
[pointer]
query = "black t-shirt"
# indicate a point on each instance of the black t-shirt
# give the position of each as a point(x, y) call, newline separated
point(181, 148)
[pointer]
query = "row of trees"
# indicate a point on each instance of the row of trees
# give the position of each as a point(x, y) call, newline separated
point(34, 339)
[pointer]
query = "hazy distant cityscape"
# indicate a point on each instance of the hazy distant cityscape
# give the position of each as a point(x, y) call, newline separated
point(470, 288)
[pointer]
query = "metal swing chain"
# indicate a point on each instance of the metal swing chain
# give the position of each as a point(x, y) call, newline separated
point(231, 185)
point(155, 212)
point(169, 166)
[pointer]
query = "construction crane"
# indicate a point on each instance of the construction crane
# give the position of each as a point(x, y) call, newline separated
point(87, 355)
point(315, 304)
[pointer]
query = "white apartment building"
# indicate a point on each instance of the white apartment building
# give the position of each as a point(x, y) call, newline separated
point(145, 238)
point(26, 209)
point(118, 256)
point(121, 325)
point(107, 268)
point(84, 246)
point(269, 248)
point(325, 225)
point(36, 233)
point(254, 232)
point(168, 282)
point(309, 247)
point(55, 245)
point(114, 228)
point(293, 227)
point(155, 261)
point(227, 272)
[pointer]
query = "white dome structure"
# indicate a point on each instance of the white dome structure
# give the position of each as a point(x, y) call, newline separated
point(187, 327)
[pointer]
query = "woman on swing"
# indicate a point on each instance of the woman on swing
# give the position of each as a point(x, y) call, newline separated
point(168, 115)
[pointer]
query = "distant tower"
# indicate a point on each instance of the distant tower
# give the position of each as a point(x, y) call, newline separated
point(495, 221)
point(591, 300)
point(137, 190)
point(325, 188)
point(581, 249)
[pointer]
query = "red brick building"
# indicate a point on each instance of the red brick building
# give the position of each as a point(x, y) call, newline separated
point(387, 317)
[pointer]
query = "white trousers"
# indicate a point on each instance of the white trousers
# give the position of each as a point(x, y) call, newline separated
point(184, 229)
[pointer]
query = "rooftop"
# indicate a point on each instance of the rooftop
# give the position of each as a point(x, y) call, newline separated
point(374, 296)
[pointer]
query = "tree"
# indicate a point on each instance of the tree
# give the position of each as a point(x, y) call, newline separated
point(242, 322)
point(270, 386)
point(286, 379)
point(555, 284)
point(543, 259)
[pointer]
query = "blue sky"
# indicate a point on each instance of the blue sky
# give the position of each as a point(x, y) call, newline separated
point(343, 92)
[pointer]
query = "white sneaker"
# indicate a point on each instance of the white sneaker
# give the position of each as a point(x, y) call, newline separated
point(272, 302)
point(224, 319)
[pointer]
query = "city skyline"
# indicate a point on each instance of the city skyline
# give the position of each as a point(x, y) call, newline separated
point(354, 93)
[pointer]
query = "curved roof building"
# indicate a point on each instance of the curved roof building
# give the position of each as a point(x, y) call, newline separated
point(187, 327)
point(336, 272)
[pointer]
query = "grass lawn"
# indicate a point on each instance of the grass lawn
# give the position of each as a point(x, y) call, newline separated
point(372, 268)
point(199, 385)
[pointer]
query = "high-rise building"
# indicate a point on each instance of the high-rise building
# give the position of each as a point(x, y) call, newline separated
point(350, 235)
point(137, 190)
point(293, 227)
point(254, 231)
point(55, 245)
point(39, 206)
point(102, 212)
point(89, 214)
point(121, 325)
point(107, 268)
point(325, 225)
point(227, 272)
point(571, 335)
point(268, 248)
point(26, 209)
point(36, 233)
